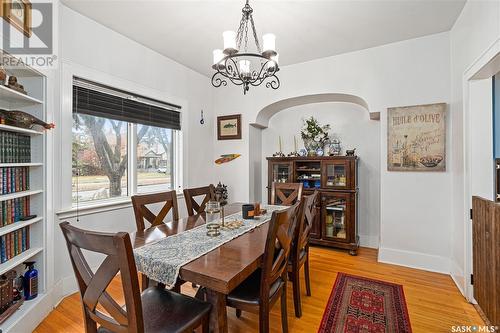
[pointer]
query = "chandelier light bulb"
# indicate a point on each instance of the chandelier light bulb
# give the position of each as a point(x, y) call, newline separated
point(229, 42)
point(244, 68)
point(269, 49)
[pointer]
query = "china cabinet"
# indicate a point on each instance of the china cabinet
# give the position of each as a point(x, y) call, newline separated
point(335, 177)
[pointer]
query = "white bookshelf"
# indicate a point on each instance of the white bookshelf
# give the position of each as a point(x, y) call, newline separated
point(25, 131)
point(33, 103)
point(11, 99)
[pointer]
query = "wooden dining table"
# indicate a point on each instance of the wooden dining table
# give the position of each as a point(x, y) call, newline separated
point(220, 270)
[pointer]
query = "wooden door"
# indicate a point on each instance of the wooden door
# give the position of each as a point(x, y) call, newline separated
point(336, 217)
point(486, 257)
point(278, 171)
point(336, 175)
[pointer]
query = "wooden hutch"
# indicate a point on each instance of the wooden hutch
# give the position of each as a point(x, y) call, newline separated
point(335, 177)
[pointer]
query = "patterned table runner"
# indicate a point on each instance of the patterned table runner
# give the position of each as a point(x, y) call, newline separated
point(163, 259)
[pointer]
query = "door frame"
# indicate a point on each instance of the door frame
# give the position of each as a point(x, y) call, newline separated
point(487, 65)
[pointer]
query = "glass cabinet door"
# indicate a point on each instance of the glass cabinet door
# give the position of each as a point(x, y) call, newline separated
point(335, 210)
point(281, 172)
point(335, 175)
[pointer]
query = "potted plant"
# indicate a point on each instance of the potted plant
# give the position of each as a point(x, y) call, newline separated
point(314, 135)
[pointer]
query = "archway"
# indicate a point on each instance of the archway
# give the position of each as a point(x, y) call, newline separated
point(265, 114)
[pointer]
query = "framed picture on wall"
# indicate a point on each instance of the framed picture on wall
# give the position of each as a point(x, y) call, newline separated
point(229, 127)
point(416, 138)
point(18, 14)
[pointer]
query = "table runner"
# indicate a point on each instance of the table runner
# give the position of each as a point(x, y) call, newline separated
point(163, 259)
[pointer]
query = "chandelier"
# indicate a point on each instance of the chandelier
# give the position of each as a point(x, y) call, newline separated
point(242, 67)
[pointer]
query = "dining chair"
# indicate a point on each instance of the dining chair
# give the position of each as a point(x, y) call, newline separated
point(154, 310)
point(299, 255)
point(142, 212)
point(193, 207)
point(260, 291)
point(286, 194)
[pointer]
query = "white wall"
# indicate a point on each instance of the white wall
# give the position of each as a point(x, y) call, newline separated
point(90, 48)
point(355, 129)
point(415, 207)
point(477, 27)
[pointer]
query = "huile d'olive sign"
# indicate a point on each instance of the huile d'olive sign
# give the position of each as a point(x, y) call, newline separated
point(416, 138)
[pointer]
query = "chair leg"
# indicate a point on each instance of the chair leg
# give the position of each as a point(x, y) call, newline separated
point(296, 293)
point(205, 324)
point(238, 313)
point(284, 318)
point(264, 318)
point(306, 273)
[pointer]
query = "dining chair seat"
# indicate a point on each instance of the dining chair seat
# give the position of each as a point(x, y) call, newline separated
point(166, 311)
point(248, 292)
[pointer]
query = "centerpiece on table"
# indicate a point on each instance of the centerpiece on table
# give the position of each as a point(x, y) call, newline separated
point(314, 135)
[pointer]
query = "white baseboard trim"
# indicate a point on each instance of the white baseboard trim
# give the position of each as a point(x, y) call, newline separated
point(412, 259)
point(458, 276)
point(369, 241)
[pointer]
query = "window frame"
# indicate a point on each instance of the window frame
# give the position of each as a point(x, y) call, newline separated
point(63, 198)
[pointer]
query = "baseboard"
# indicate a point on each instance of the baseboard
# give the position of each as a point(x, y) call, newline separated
point(457, 275)
point(417, 260)
point(369, 241)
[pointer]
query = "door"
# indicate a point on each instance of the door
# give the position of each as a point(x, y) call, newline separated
point(336, 217)
point(280, 172)
point(336, 175)
point(486, 257)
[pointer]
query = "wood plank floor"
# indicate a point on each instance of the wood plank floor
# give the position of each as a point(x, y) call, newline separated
point(434, 302)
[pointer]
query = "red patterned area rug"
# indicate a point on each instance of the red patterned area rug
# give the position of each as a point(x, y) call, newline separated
point(362, 305)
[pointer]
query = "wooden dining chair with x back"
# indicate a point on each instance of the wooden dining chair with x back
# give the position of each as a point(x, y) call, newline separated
point(154, 310)
point(193, 207)
point(143, 213)
point(260, 291)
point(286, 194)
point(300, 250)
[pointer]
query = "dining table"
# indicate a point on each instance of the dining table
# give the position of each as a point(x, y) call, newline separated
point(218, 271)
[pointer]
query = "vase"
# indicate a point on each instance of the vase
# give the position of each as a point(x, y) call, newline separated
point(311, 146)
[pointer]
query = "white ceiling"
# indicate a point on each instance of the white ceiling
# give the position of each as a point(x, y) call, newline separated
point(188, 31)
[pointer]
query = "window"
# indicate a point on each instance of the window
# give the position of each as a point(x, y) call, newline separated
point(154, 158)
point(122, 143)
point(99, 158)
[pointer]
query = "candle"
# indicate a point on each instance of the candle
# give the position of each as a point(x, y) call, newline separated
point(279, 140)
point(294, 144)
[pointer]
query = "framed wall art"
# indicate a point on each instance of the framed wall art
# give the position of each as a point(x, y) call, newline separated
point(18, 14)
point(229, 127)
point(416, 138)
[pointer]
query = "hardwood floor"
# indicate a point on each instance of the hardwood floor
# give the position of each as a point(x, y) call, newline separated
point(434, 302)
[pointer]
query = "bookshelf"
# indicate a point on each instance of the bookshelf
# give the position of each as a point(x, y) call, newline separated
point(23, 200)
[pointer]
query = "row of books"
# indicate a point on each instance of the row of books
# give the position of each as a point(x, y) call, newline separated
point(11, 211)
point(14, 148)
point(14, 179)
point(14, 243)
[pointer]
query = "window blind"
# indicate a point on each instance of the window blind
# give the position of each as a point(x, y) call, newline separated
point(106, 102)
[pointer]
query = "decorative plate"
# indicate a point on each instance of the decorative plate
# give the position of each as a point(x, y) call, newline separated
point(320, 152)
